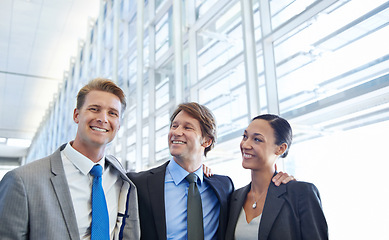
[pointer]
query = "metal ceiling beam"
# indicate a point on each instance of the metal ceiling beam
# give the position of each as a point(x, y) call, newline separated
point(29, 75)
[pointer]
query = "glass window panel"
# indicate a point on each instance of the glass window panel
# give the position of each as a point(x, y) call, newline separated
point(159, 3)
point(284, 10)
point(239, 102)
point(145, 143)
point(257, 20)
point(162, 95)
point(146, 11)
point(162, 120)
point(118, 147)
point(145, 152)
point(163, 34)
point(163, 80)
point(131, 158)
point(186, 69)
point(146, 52)
point(108, 32)
point(263, 98)
point(145, 109)
point(131, 139)
point(312, 65)
point(219, 41)
point(163, 155)
point(132, 70)
point(121, 44)
point(161, 139)
point(202, 6)
point(227, 99)
point(226, 124)
point(131, 119)
point(132, 32)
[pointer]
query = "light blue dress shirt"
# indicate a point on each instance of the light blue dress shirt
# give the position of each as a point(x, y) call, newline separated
point(176, 192)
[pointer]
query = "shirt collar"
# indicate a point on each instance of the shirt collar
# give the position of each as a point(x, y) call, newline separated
point(81, 162)
point(178, 173)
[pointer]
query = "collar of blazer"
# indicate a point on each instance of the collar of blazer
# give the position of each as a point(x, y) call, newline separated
point(57, 166)
point(109, 159)
point(156, 187)
point(271, 209)
point(61, 189)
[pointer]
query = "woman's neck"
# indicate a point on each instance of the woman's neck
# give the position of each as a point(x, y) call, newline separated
point(260, 180)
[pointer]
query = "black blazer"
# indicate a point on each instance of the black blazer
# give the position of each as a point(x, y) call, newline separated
point(151, 185)
point(291, 211)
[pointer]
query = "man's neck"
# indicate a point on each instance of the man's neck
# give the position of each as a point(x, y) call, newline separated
point(190, 165)
point(94, 154)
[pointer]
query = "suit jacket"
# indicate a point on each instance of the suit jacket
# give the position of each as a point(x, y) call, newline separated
point(291, 211)
point(151, 186)
point(35, 203)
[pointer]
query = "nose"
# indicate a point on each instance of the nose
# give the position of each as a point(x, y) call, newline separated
point(102, 117)
point(245, 144)
point(177, 131)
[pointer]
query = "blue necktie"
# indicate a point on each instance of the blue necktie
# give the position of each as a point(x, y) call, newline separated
point(100, 219)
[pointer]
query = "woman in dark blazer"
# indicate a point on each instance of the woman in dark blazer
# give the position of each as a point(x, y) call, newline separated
point(261, 210)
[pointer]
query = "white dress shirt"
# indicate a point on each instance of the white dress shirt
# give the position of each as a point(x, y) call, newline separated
point(77, 168)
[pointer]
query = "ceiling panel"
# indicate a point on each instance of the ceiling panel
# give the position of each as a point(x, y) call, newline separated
point(37, 40)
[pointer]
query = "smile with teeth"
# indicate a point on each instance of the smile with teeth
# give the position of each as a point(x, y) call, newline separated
point(99, 129)
point(178, 142)
point(246, 155)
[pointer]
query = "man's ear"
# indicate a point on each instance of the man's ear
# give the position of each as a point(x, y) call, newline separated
point(207, 142)
point(75, 115)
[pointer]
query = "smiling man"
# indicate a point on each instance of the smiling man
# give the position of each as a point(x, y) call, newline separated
point(162, 191)
point(55, 197)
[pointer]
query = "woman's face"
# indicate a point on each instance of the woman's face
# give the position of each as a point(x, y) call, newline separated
point(258, 145)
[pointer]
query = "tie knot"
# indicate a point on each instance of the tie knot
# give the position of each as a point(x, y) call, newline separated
point(191, 178)
point(96, 170)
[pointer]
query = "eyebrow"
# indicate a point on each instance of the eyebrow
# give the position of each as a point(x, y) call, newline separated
point(255, 134)
point(99, 106)
point(114, 109)
point(188, 123)
point(183, 123)
point(94, 105)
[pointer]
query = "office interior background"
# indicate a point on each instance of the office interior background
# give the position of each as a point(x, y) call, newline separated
point(322, 65)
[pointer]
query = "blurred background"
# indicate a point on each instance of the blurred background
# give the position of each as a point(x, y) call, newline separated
point(322, 65)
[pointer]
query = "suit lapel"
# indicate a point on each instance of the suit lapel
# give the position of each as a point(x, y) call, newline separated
point(116, 164)
point(237, 202)
point(273, 205)
point(62, 192)
point(214, 183)
point(156, 188)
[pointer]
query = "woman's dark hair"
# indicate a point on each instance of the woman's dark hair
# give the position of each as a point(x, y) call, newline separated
point(282, 130)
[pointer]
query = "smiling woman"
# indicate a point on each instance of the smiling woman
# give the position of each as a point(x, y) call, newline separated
point(261, 210)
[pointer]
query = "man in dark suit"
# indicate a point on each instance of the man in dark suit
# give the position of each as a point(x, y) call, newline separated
point(51, 198)
point(162, 190)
